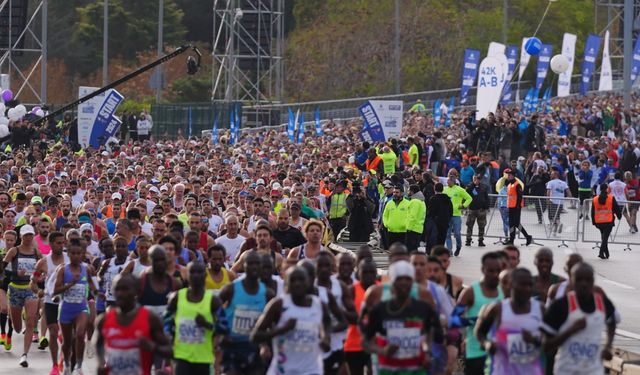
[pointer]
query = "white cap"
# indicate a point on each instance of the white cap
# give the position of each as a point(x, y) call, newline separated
point(27, 229)
point(401, 268)
point(276, 185)
point(86, 226)
point(116, 196)
point(260, 182)
point(154, 189)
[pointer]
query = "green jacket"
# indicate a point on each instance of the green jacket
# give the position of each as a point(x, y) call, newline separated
point(458, 196)
point(395, 216)
point(389, 160)
point(417, 214)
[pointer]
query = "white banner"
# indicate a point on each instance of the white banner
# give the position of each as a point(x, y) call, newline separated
point(389, 113)
point(491, 79)
point(606, 78)
point(524, 59)
point(568, 51)
point(496, 48)
point(87, 113)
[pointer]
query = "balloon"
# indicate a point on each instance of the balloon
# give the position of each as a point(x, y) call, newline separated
point(4, 121)
point(22, 110)
point(35, 109)
point(2, 109)
point(7, 95)
point(559, 64)
point(39, 113)
point(13, 114)
point(533, 46)
point(4, 131)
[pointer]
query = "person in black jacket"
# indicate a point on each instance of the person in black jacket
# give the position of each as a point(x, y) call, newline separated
point(439, 212)
point(604, 218)
point(538, 187)
point(477, 209)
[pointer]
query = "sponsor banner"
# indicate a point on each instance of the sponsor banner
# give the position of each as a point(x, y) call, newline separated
point(383, 117)
point(568, 51)
point(591, 49)
point(101, 118)
point(469, 73)
point(512, 55)
point(544, 58)
point(491, 80)
point(635, 68)
point(606, 75)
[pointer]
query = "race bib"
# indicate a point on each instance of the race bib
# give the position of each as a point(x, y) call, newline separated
point(123, 361)
point(583, 353)
point(26, 265)
point(75, 294)
point(189, 332)
point(244, 320)
point(519, 351)
point(408, 340)
point(303, 338)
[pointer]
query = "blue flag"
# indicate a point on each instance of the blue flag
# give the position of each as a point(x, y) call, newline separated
point(232, 126)
point(319, 131)
point(534, 101)
point(563, 129)
point(452, 102)
point(291, 125)
point(190, 121)
point(546, 101)
point(214, 131)
point(635, 68)
point(437, 114)
point(543, 64)
point(591, 50)
point(512, 55)
point(238, 122)
point(300, 127)
point(469, 72)
point(526, 104)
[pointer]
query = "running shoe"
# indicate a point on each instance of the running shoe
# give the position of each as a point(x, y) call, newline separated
point(78, 371)
point(43, 344)
point(66, 371)
point(54, 370)
point(3, 338)
point(35, 337)
point(23, 361)
point(7, 343)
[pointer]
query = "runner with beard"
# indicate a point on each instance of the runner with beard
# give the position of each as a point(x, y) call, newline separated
point(263, 236)
point(217, 275)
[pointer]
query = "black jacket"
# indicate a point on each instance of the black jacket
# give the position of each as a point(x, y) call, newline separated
point(480, 196)
point(440, 209)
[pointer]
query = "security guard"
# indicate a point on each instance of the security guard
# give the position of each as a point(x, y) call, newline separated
point(515, 202)
point(337, 207)
point(603, 209)
point(395, 216)
point(416, 217)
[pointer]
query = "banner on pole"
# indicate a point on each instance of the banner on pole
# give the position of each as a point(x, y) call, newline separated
point(496, 48)
point(447, 122)
point(214, 131)
point(512, 55)
point(300, 128)
point(524, 59)
point(543, 64)
point(635, 69)
point(469, 73)
point(291, 125)
point(94, 116)
point(318, 123)
point(386, 115)
point(606, 75)
point(437, 114)
point(490, 82)
point(568, 51)
point(591, 49)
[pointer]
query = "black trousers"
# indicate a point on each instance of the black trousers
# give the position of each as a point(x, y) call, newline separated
point(514, 223)
point(337, 225)
point(413, 240)
point(605, 232)
point(396, 237)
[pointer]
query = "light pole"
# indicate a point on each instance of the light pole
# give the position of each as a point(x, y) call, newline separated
point(159, 77)
point(105, 44)
point(505, 20)
point(396, 47)
point(628, 47)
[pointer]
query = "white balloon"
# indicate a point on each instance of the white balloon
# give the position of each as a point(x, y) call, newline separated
point(4, 121)
point(40, 113)
point(13, 114)
point(4, 131)
point(22, 110)
point(559, 64)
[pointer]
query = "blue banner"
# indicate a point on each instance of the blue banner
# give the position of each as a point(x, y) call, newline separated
point(214, 131)
point(112, 128)
point(591, 51)
point(291, 125)
point(103, 118)
point(635, 68)
point(318, 123)
point(372, 122)
point(300, 128)
point(546, 101)
point(543, 64)
point(190, 122)
point(469, 72)
point(452, 102)
point(563, 129)
point(526, 104)
point(534, 101)
point(512, 56)
point(437, 113)
point(238, 122)
point(232, 125)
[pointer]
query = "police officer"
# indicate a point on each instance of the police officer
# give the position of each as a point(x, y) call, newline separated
point(515, 202)
point(602, 217)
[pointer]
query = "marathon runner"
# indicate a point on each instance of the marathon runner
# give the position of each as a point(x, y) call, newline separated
point(6, 327)
point(129, 335)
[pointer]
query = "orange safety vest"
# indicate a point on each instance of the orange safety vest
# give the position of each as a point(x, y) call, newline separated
point(512, 196)
point(372, 164)
point(353, 341)
point(603, 212)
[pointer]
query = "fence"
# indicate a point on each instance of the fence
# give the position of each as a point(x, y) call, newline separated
point(621, 233)
point(544, 218)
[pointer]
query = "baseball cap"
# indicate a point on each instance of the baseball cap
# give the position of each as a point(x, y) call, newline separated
point(116, 196)
point(508, 171)
point(154, 190)
point(387, 184)
point(295, 204)
point(260, 182)
point(27, 229)
point(164, 188)
point(36, 200)
point(85, 227)
point(401, 268)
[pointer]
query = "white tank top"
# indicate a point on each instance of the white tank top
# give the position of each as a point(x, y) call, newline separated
point(617, 190)
point(298, 352)
point(50, 281)
point(252, 223)
point(580, 354)
point(138, 268)
point(560, 292)
point(337, 338)
point(111, 272)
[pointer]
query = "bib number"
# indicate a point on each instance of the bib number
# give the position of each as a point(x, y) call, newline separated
point(124, 361)
point(76, 294)
point(408, 340)
point(303, 338)
point(244, 320)
point(189, 332)
point(520, 351)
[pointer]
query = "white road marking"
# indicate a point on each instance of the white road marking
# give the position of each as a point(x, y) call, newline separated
point(615, 283)
point(631, 335)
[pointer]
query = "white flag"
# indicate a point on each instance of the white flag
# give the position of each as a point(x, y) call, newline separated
point(568, 51)
point(606, 79)
point(491, 79)
point(496, 48)
point(524, 59)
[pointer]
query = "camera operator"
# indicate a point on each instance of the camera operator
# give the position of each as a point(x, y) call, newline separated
point(361, 209)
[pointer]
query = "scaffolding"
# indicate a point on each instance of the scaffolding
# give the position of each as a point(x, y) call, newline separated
point(23, 47)
point(609, 15)
point(248, 49)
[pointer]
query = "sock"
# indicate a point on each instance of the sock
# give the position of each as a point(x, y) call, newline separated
point(79, 364)
point(3, 322)
point(10, 332)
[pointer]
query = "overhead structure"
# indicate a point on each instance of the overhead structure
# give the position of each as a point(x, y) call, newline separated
point(609, 15)
point(23, 48)
point(248, 45)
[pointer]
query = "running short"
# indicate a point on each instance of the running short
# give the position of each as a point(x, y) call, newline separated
point(241, 359)
point(181, 367)
point(19, 296)
point(474, 366)
point(438, 358)
point(69, 312)
point(333, 362)
point(51, 313)
point(4, 284)
point(358, 361)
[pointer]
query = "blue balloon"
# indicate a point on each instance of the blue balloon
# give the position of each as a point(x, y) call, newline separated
point(533, 46)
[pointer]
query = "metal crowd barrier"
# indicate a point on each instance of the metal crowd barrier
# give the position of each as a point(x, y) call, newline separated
point(621, 233)
point(544, 218)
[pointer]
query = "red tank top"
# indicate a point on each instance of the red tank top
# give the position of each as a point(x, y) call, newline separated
point(203, 244)
point(122, 349)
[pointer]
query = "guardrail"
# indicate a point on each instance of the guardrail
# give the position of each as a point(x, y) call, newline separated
point(621, 233)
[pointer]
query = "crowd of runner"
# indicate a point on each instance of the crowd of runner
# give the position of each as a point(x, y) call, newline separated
point(190, 257)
